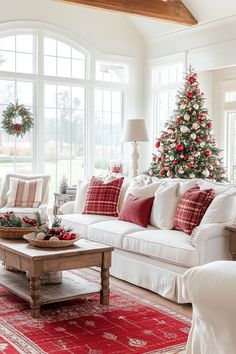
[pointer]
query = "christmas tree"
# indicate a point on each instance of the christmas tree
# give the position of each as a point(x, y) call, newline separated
point(187, 147)
point(63, 185)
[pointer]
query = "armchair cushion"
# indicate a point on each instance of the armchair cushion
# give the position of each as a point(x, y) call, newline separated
point(24, 194)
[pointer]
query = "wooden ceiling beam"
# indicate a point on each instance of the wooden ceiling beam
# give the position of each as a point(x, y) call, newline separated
point(168, 10)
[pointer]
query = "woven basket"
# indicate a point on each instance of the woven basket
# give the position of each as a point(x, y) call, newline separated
point(15, 232)
point(47, 243)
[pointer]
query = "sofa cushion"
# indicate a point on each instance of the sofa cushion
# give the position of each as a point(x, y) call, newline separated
point(164, 206)
point(80, 222)
point(222, 209)
point(168, 245)
point(20, 211)
point(143, 191)
point(102, 198)
point(80, 197)
point(191, 208)
point(219, 187)
point(112, 232)
point(137, 210)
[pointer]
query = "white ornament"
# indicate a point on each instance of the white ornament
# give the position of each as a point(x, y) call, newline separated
point(203, 125)
point(217, 163)
point(205, 173)
point(54, 238)
point(186, 117)
point(195, 125)
point(191, 175)
point(183, 106)
point(210, 167)
point(223, 175)
point(184, 129)
point(161, 148)
point(181, 170)
point(197, 153)
point(168, 174)
point(202, 144)
point(193, 136)
point(40, 236)
point(172, 158)
point(195, 106)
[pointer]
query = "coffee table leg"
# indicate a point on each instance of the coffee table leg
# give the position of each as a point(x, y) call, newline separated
point(35, 297)
point(105, 291)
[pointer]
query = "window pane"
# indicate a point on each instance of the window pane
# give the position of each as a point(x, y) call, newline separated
point(50, 96)
point(77, 55)
point(7, 91)
point(50, 66)
point(7, 43)
point(78, 69)
point(7, 61)
point(78, 97)
point(50, 46)
point(63, 50)
point(231, 149)
point(25, 93)
point(230, 96)
point(107, 128)
point(24, 63)
point(24, 43)
point(63, 96)
point(63, 67)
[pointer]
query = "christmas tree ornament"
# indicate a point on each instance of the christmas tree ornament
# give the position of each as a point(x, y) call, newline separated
point(193, 136)
point(191, 79)
point(187, 147)
point(157, 144)
point(184, 129)
point(186, 117)
point(205, 173)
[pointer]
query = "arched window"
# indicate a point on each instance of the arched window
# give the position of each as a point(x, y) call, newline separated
point(77, 104)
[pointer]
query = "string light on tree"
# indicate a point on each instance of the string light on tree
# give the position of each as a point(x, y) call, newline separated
point(187, 148)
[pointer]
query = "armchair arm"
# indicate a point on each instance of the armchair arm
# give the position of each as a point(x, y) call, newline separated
point(212, 241)
point(67, 208)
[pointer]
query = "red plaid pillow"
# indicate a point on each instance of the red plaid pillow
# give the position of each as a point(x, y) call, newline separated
point(102, 198)
point(191, 208)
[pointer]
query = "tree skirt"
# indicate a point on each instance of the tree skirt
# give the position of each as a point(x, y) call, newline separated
point(83, 326)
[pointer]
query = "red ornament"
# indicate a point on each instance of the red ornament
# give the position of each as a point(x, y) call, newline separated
point(190, 95)
point(162, 172)
point(178, 120)
point(179, 148)
point(207, 137)
point(175, 162)
point(213, 176)
point(154, 158)
point(191, 79)
point(209, 124)
point(201, 116)
point(191, 165)
point(197, 90)
point(162, 136)
point(157, 144)
point(185, 158)
point(207, 153)
point(199, 140)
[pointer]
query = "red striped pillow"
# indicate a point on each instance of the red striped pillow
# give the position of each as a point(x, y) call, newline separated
point(24, 193)
point(192, 208)
point(102, 198)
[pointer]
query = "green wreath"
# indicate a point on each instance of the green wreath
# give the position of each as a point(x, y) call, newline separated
point(9, 123)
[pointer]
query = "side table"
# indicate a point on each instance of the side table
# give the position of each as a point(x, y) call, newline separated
point(60, 199)
point(232, 244)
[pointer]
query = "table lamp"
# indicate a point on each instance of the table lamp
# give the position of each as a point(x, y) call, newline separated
point(135, 131)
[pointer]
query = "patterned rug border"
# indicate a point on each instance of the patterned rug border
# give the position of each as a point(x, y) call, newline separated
point(161, 308)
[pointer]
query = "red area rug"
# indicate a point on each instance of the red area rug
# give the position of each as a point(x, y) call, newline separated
point(127, 325)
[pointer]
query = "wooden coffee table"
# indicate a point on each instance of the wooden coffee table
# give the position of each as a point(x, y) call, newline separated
point(83, 254)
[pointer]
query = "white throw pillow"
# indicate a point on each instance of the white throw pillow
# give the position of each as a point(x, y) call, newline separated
point(222, 209)
point(164, 206)
point(143, 191)
point(80, 196)
point(24, 193)
point(219, 187)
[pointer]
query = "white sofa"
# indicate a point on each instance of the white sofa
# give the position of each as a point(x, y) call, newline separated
point(152, 258)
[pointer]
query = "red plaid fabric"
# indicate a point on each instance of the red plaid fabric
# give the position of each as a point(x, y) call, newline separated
point(191, 208)
point(102, 198)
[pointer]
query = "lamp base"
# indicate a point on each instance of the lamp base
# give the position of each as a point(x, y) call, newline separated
point(135, 157)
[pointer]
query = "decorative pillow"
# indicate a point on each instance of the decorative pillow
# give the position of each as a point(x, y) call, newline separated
point(143, 191)
point(24, 193)
point(191, 208)
point(102, 198)
point(222, 209)
point(80, 196)
point(164, 207)
point(137, 210)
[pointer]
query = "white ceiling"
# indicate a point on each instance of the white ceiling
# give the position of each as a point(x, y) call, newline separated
point(203, 10)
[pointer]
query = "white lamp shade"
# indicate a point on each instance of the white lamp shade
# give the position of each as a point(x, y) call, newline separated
point(135, 130)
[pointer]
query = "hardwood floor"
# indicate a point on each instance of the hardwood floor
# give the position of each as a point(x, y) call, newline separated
point(185, 309)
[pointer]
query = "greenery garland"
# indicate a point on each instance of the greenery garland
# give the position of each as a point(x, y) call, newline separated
point(9, 123)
